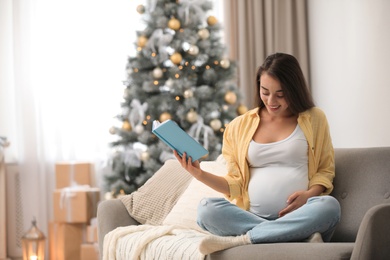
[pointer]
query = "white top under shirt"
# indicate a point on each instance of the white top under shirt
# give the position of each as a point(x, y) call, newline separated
point(277, 170)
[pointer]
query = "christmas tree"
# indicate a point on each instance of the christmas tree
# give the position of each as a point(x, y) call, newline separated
point(180, 72)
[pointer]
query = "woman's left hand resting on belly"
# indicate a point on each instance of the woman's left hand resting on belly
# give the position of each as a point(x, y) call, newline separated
point(299, 198)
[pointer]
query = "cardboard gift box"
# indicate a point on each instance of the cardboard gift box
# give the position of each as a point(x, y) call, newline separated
point(75, 204)
point(65, 240)
point(89, 252)
point(92, 232)
point(73, 173)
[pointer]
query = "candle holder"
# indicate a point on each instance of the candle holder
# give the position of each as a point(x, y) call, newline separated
point(33, 243)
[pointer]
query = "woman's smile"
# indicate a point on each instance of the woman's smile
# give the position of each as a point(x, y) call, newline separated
point(271, 94)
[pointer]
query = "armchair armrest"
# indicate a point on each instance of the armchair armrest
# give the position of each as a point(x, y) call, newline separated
point(373, 237)
point(110, 215)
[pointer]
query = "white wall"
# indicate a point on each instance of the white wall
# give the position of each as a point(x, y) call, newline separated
point(350, 71)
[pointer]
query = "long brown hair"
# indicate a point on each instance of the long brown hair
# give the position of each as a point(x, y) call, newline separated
point(286, 69)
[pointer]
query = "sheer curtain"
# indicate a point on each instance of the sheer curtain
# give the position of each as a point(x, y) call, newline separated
point(257, 28)
point(62, 64)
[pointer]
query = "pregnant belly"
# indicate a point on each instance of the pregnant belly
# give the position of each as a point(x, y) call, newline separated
point(269, 188)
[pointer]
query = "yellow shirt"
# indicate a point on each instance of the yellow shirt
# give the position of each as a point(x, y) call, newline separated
point(239, 133)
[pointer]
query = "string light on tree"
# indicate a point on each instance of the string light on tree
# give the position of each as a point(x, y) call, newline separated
point(142, 40)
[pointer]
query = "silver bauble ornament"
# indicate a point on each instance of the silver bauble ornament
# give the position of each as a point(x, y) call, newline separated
point(112, 130)
point(169, 82)
point(139, 129)
point(225, 63)
point(188, 93)
point(203, 33)
point(145, 156)
point(157, 73)
point(141, 9)
point(192, 116)
point(193, 50)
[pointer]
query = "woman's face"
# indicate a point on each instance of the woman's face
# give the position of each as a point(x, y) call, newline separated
point(271, 94)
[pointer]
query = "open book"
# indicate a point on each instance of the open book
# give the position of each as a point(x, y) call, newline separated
point(171, 134)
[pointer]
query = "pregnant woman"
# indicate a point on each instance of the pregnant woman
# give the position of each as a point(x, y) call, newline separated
point(280, 163)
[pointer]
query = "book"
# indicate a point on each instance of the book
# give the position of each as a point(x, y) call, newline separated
point(175, 137)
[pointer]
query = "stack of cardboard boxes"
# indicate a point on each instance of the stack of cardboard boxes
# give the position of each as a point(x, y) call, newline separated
point(73, 233)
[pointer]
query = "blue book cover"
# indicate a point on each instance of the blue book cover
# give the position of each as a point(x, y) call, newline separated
point(176, 138)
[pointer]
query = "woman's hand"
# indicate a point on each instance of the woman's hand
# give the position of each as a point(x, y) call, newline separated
point(297, 199)
point(215, 182)
point(192, 167)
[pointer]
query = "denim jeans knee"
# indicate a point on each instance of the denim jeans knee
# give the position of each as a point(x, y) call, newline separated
point(207, 210)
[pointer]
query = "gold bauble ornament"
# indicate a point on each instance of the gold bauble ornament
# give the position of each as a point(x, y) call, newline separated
point(211, 20)
point(225, 63)
point(230, 97)
point(174, 24)
point(141, 9)
point(216, 124)
point(176, 58)
point(192, 116)
point(121, 194)
point(165, 116)
point(142, 40)
point(242, 109)
point(126, 126)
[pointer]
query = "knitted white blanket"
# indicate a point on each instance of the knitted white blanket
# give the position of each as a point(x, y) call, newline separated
point(152, 242)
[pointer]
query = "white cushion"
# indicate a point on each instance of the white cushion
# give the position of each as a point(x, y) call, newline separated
point(184, 213)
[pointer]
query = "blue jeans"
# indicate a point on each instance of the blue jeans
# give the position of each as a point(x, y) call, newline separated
point(319, 214)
